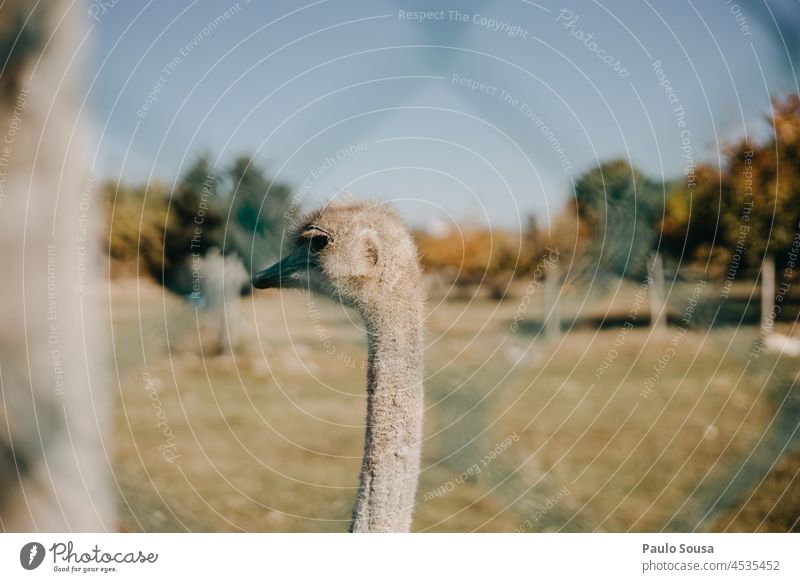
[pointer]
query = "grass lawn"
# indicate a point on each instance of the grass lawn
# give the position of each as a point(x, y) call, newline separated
point(586, 433)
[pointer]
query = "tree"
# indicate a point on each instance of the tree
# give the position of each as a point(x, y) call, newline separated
point(766, 186)
point(745, 216)
point(193, 226)
point(259, 207)
point(619, 207)
point(215, 231)
point(752, 199)
point(240, 211)
point(135, 234)
point(692, 227)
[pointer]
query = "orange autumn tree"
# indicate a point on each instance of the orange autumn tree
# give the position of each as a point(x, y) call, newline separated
point(745, 216)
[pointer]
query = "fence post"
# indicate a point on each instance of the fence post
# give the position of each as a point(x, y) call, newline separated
point(658, 312)
point(552, 289)
point(767, 295)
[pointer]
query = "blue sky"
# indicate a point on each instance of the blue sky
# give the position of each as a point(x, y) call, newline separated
point(358, 96)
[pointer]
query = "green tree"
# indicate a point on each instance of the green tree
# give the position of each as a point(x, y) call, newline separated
point(193, 225)
point(618, 207)
point(259, 207)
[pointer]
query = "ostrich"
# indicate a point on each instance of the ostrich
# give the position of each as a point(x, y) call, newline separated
point(222, 280)
point(54, 398)
point(361, 254)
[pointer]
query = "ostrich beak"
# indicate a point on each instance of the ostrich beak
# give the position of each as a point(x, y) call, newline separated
point(282, 273)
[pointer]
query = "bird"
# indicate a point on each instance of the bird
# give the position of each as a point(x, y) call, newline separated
point(55, 399)
point(360, 253)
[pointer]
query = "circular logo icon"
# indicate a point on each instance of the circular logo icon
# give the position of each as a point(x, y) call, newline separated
point(31, 555)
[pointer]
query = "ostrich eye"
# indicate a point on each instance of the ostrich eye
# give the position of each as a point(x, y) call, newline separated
point(318, 238)
point(318, 243)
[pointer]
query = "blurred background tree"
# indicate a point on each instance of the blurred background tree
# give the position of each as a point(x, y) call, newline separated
point(194, 225)
point(691, 227)
point(775, 184)
point(739, 217)
point(136, 217)
point(258, 206)
point(753, 199)
point(618, 207)
point(240, 211)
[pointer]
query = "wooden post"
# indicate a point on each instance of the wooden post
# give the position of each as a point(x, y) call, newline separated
point(222, 281)
point(552, 289)
point(655, 292)
point(767, 295)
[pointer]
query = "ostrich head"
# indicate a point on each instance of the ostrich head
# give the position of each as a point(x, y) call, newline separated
point(356, 252)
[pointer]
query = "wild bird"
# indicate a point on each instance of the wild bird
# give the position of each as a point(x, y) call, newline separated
point(55, 472)
point(361, 254)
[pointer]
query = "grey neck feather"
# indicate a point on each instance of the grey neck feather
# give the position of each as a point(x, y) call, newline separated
point(390, 468)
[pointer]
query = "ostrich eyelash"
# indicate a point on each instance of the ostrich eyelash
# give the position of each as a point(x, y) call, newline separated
point(322, 230)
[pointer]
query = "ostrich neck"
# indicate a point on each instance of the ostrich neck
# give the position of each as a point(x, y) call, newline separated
point(390, 469)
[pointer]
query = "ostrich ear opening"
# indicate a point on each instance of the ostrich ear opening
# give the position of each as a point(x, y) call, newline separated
point(367, 252)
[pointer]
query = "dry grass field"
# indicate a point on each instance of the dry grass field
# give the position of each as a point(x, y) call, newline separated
point(521, 433)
